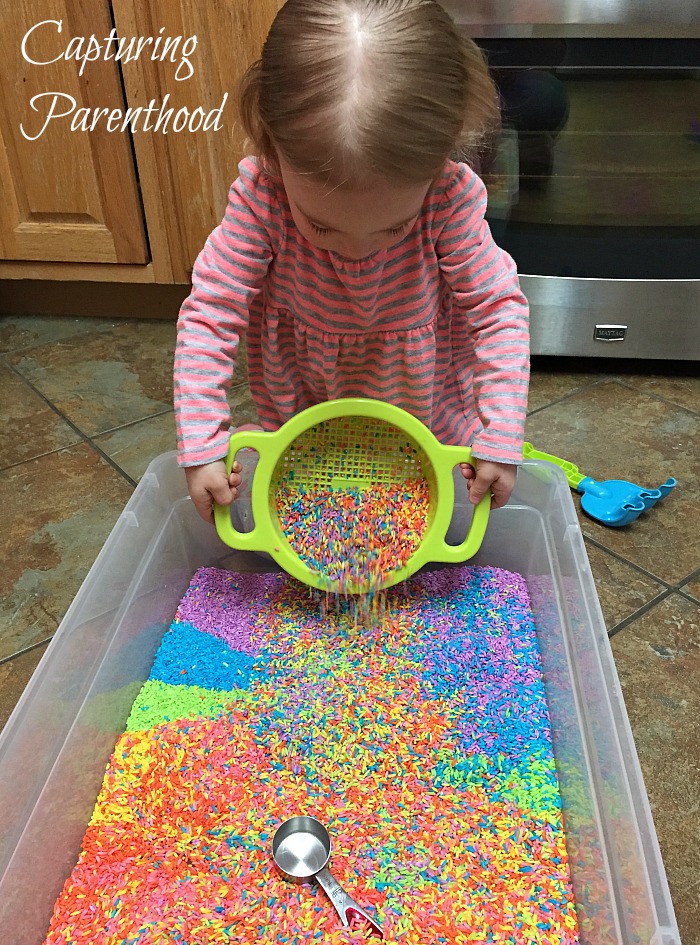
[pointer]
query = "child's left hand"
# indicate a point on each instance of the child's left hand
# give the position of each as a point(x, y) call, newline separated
point(496, 478)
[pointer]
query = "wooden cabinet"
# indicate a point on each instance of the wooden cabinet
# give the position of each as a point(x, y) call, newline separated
point(126, 204)
point(66, 196)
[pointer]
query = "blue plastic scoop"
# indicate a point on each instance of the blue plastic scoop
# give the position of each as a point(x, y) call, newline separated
point(612, 502)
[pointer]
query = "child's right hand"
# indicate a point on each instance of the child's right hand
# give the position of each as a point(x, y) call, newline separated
point(210, 483)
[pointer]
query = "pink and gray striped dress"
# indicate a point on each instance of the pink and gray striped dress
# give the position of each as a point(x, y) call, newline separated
point(435, 324)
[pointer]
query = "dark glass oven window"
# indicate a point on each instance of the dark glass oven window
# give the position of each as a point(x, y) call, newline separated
point(596, 172)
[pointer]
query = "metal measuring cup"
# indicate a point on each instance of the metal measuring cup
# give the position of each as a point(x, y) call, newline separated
point(301, 848)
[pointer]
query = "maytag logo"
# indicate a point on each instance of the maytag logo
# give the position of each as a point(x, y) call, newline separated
point(610, 332)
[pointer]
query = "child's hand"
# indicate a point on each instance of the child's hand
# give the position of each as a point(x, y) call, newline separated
point(496, 478)
point(208, 483)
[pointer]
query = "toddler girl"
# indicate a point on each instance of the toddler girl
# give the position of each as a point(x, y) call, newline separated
point(353, 255)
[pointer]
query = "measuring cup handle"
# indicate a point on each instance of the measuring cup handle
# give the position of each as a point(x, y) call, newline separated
point(342, 902)
point(259, 538)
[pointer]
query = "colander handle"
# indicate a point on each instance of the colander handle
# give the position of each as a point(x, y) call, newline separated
point(454, 554)
point(262, 537)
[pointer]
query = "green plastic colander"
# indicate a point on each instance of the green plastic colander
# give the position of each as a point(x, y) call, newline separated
point(352, 442)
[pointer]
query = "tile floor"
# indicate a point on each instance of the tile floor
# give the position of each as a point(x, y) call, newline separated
point(86, 404)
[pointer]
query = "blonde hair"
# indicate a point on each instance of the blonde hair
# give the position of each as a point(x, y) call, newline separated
point(350, 89)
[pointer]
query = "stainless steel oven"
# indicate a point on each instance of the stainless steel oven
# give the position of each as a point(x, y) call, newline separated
point(594, 182)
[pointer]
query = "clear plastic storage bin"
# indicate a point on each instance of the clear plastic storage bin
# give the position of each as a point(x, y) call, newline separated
point(55, 747)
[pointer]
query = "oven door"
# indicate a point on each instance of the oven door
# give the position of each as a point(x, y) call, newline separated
point(594, 184)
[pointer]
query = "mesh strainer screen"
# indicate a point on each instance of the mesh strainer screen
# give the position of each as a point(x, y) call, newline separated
point(350, 451)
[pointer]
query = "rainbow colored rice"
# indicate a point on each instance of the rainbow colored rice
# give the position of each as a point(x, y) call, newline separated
point(424, 746)
point(355, 535)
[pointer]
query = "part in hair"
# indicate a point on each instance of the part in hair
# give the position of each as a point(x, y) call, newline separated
point(346, 90)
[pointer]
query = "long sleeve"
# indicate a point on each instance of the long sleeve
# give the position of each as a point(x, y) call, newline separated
point(490, 320)
point(228, 276)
